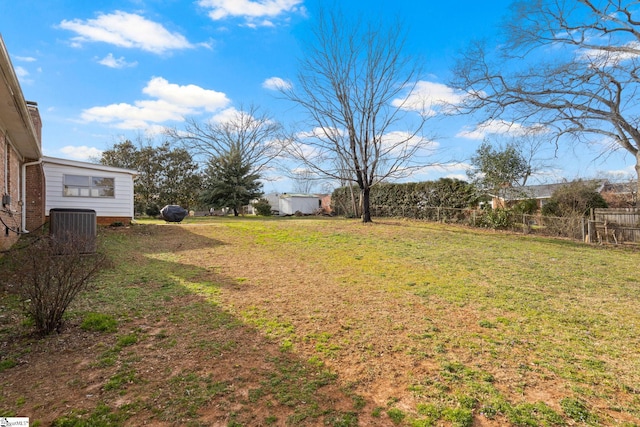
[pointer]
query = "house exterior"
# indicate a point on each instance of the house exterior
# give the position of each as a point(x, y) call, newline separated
point(540, 193)
point(621, 194)
point(73, 184)
point(21, 173)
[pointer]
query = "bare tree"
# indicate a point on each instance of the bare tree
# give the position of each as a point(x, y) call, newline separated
point(304, 180)
point(569, 67)
point(248, 133)
point(354, 83)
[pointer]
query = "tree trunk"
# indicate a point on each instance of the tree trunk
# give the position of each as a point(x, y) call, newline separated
point(366, 212)
point(353, 202)
point(235, 211)
point(637, 195)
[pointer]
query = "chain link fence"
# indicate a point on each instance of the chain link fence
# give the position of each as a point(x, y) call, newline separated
point(566, 227)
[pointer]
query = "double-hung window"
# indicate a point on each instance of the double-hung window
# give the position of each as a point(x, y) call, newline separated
point(88, 186)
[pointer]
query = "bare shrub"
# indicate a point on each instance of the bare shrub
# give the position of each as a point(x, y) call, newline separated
point(48, 273)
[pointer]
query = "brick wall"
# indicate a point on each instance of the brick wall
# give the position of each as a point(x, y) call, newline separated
point(35, 198)
point(35, 182)
point(10, 214)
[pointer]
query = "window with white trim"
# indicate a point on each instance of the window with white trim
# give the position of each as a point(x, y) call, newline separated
point(88, 186)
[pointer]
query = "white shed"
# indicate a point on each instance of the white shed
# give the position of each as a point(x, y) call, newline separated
point(303, 203)
point(73, 184)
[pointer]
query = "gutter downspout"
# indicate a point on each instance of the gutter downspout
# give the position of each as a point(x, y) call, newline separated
point(23, 196)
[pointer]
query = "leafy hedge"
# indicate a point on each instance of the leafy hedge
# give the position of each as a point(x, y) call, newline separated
point(445, 192)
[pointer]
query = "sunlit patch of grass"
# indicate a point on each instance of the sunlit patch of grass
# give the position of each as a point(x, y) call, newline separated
point(542, 298)
point(272, 328)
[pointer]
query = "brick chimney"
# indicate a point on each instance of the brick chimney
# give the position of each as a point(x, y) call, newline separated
point(36, 120)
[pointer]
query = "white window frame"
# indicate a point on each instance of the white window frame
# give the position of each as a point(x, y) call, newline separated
point(73, 186)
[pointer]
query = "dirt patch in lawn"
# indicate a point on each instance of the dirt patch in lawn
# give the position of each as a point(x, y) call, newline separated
point(188, 361)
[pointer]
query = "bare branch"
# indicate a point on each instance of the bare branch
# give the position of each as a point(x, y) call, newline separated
point(571, 67)
point(252, 134)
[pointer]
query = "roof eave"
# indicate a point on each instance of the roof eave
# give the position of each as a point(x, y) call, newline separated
point(15, 118)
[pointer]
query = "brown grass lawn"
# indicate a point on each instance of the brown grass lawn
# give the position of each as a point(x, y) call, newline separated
point(257, 322)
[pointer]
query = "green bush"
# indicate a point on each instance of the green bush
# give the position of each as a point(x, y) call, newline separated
point(262, 207)
point(152, 210)
point(527, 207)
point(497, 218)
point(551, 208)
point(575, 198)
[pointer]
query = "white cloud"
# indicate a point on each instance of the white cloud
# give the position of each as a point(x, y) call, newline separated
point(226, 115)
point(605, 58)
point(126, 30)
point(498, 127)
point(172, 102)
point(112, 62)
point(429, 98)
point(398, 143)
point(81, 152)
point(255, 13)
point(276, 83)
point(21, 72)
point(449, 168)
point(26, 58)
point(190, 96)
point(322, 133)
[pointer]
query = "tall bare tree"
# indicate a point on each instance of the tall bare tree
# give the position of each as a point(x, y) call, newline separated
point(248, 133)
point(570, 67)
point(353, 83)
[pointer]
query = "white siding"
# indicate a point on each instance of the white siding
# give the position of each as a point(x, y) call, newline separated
point(121, 205)
point(306, 205)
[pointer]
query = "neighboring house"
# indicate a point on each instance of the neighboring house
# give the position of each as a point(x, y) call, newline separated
point(21, 174)
point(540, 193)
point(306, 204)
point(621, 194)
point(79, 185)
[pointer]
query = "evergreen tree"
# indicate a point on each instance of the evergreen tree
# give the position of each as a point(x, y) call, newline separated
point(229, 182)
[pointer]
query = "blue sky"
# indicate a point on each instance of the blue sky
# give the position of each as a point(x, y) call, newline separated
point(114, 69)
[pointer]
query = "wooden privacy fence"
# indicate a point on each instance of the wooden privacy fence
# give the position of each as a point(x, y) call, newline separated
point(615, 225)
